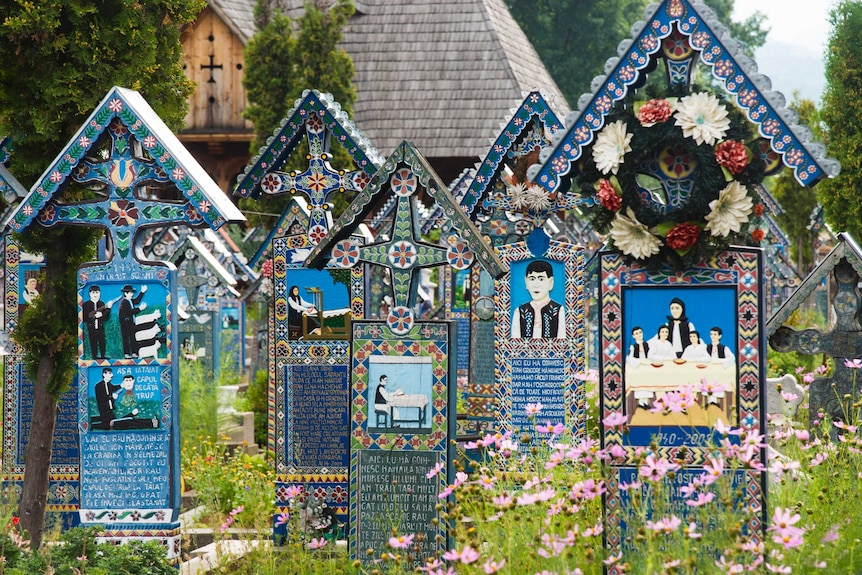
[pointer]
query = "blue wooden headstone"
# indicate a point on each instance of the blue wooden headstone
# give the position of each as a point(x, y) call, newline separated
point(128, 406)
point(313, 310)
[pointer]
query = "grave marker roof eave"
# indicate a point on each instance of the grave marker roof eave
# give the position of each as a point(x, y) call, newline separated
point(290, 132)
point(533, 108)
point(197, 187)
point(217, 269)
point(364, 202)
point(457, 188)
point(280, 229)
point(845, 248)
point(764, 107)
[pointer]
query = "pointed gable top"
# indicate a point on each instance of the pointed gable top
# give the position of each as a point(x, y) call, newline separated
point(198, 188)
point(533, 113)
point(364, 203)
point(846, 248)
point(750, 90)
point(289, 134)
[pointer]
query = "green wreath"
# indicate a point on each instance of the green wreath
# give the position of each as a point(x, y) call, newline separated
point(705, 198)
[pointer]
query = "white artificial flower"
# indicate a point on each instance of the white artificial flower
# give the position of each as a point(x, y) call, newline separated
point(633, 237)
point(730, 210)
point(538, 199)
point(611, 146)
point(518, 196)
point(702, 117)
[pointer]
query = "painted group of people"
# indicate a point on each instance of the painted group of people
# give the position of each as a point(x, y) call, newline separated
point(679, 339)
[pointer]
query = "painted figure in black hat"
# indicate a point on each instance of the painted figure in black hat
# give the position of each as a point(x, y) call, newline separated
point(128, 308)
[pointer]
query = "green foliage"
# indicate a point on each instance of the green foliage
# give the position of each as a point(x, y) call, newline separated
point(255, 400)
point(198, 398)
point(799, 201)
point(281, 62)
point(574, 38)
point(61, 58)
point(840, 196)
point(79, 553)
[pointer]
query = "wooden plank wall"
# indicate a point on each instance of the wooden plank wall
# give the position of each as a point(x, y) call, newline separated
point(215, 106)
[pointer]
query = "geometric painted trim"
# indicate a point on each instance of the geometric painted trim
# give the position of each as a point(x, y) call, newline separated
point(571, 349)
point(723, 56)
point(289, 134)
point(206, 200)
point(534, 110)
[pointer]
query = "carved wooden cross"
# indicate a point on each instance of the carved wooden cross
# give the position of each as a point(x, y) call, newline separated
point(114, 174)
point(832, 395)
point(317, 182)
point(212, 67)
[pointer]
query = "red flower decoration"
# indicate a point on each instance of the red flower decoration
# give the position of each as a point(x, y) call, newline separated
point(758, 235)
point(608, 196)
point(654, 112)
point(758, 210)
point(732, 155)
point(682, 236)
point(266, 269)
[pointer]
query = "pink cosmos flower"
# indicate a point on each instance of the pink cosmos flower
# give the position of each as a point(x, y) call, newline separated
point(728, 567)
point(466, 556)
point(788, 397)
point(712, 470)
point(831, 535)
point(654, 469)
point(317, 543)
point(502, 501)
point(557, 429)
point(401, 541)
point(282, 519)
point(783, 521)
point(436, 470)
point(665, 525)
point(691, 531)
point(789, 541)
point(293, 491)
point(533, 408)
point(853, 363)
point(778, 568)
point(702, 499)
point(490, 566)
point(808, 378)
point(615, 419)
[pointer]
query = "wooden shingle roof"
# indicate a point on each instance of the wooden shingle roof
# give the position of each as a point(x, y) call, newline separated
point(438, 72)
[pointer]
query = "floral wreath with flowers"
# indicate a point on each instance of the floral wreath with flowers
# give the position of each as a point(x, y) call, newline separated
point(695, 138)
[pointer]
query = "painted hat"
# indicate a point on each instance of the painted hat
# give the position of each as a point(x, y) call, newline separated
point(128, 288)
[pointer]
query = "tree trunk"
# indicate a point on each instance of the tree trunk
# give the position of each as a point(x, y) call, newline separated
point(34, 494)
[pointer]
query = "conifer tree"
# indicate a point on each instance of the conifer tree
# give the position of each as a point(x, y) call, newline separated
point(843, 118)
point(59, 60)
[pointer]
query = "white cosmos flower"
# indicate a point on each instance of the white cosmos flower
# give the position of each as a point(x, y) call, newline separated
point(702, 117)
point(633, 237)
point(730, 210)
point(611, 146)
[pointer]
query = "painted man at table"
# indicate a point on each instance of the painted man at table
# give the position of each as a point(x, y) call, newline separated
point(382, 397)
point(717, 351)
point(541, 317)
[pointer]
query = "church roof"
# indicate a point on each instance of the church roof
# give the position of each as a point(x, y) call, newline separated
point(738, 75)
point(238, 15)
point(438, 72)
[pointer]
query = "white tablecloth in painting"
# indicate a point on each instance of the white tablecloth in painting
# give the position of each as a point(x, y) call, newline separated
point(414, 400)
point(670, 376)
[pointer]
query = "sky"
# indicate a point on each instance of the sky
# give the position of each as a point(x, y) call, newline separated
point(793, 54)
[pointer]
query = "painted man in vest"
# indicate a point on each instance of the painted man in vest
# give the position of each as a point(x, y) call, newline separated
point(717, 351)
point(639, 349)
point(126, 313)
point(541, 317)
point(680, 327)
point(95, 314)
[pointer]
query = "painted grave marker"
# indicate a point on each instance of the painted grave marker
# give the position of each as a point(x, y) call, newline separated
point(313, 309)
point(540, 338)
point(127, 402)
point(401, 426)
point(719, 377)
